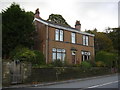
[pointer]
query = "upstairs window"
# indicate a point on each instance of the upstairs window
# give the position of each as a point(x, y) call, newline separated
point(73, 37)
point(59, 35)
point(85, 40)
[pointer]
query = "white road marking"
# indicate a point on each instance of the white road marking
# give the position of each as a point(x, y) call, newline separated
point(102, 84)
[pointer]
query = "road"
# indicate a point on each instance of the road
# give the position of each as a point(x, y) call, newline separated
point(99, 82)
point(109, 81)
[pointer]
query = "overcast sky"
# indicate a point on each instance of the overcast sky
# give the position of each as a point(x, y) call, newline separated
point(98, 14)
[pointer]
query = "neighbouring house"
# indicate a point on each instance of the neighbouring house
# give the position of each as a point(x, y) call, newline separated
point(61, 42)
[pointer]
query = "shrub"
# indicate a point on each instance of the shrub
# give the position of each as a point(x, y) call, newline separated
point(39, 58)
point(100, 64)
point(57, 63)
point(25, 54)
point(92, 62)
point(106, 57)
point(86, 65)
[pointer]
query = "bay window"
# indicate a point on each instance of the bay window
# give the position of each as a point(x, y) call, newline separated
point(85, 55)
point(58, 54)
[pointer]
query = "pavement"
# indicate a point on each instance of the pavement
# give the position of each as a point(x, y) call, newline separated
point(57, 83)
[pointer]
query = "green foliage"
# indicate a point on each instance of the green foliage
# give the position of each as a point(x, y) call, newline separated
point(114, 35)
point(57, 63)
point(24, 54)
point(56, 18)
point(39, 58)
point(92, 62)
point(86, 65)
point(106, 57)
point(102, 41)
point(17, 28)
point(100, 64)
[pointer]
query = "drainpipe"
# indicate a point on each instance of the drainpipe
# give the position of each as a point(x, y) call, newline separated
point(46, 44)
point(93, 49)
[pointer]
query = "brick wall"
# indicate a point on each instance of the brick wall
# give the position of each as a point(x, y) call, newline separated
point(66, 44)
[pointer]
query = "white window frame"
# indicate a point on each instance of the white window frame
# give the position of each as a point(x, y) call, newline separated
point(85, 40)
point(61, 52)
point(87, 53)
point(61, 35)
point(58, 35)
point(73, 37)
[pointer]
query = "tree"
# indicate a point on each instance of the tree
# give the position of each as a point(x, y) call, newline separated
point(17, 28)
point(114, 35)
point(56, 18)
point(102, 41)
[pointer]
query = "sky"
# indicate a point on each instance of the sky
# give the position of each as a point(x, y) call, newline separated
point(99, 14)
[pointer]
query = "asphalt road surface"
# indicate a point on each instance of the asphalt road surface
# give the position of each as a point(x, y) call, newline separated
point(110, 82)
point(100, 82)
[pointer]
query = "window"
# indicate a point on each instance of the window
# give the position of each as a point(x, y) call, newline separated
point(58, 54)
point(73, 37)
point(85, 40)
point(59, 35)
point(85, 55)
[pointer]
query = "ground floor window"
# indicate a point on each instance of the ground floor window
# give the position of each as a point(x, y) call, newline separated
point(85, 55)
point(58, 54)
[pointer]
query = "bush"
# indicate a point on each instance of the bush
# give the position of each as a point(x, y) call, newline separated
point(86, 65)
point(39, 58)
point(92, 62)
point(106, 57)
point(25, 54)
point(57, 63)
point(100, 64)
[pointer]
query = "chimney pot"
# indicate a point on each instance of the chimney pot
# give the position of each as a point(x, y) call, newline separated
point(78, 25)
point(37, 13)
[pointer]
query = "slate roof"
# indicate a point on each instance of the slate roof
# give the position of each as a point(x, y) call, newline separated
point(61, 26)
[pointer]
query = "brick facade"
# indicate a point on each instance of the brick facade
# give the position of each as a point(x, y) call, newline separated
point(45, 42)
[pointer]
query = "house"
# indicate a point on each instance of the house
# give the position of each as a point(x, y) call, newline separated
point(60, 42)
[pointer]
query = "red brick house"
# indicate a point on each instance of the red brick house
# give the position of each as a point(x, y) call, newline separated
point(65, 43)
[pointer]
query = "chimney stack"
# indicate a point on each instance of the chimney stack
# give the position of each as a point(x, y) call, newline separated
point(37, 13)
point(78, 25)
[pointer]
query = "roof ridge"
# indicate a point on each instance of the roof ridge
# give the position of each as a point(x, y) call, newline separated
point(61, 26)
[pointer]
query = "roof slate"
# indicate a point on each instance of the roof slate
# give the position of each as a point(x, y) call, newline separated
point(60, 26)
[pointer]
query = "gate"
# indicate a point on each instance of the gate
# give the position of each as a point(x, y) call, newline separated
point(16, 72)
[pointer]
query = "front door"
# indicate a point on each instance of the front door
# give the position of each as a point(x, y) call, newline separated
point(73, 57)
